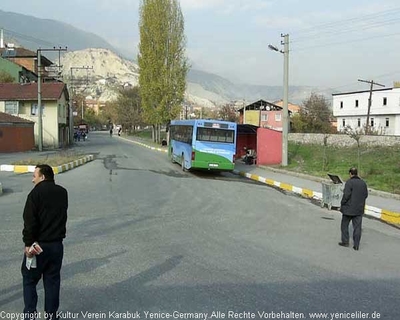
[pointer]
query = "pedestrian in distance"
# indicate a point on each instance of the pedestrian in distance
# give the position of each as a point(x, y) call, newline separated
point(45, 218)
point(111, 132)
point(352, 208)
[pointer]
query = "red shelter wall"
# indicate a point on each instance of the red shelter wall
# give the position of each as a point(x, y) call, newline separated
point(269, 146)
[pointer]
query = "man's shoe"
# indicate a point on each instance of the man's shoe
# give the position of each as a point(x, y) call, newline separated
point(355, 248)
point(343, 244)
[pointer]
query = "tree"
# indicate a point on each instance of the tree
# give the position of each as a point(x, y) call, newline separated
point(315, 115)
point(162, 62)
point(298, 123)
point(5, 77)
point(228, 113)
point(356, 135)
point(128, 111)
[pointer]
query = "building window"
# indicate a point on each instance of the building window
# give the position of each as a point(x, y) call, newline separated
point(387, 122)
point(34, 109)
point(11, 107)
point(359, 122)
point(384, 101)
point(343, 122)
point(356, 103)
point(278, 117)
point(264, 117)
point(372, 122)
point(341, 104)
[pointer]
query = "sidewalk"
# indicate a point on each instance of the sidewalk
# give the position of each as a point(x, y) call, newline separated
point(380, 205)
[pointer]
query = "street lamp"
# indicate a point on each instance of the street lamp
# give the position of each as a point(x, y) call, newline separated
point(285, 111)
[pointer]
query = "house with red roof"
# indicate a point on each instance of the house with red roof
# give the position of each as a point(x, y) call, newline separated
point(26, 58)
point(21, 100)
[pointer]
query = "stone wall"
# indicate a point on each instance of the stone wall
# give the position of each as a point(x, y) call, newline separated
point(343, 140)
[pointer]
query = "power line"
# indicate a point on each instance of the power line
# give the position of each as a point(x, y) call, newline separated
point(346, 41)
point(348, 21)
point(340, 30)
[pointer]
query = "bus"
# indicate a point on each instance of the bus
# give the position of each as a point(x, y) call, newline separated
point(203, 144)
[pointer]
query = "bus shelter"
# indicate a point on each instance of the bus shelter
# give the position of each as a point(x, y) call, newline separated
point(264, 142)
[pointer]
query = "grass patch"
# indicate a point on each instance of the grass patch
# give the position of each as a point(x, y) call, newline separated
point(145, 137)
point(379, 166)
point(146, 134)
point(52, 160)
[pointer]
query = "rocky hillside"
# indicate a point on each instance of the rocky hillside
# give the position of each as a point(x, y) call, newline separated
point(111, 71)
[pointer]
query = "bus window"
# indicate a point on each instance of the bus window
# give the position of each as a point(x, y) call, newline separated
point(215, 135)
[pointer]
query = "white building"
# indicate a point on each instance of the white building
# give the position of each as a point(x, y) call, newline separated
point(351, 109)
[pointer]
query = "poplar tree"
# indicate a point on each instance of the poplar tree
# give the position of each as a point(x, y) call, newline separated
point(162, 62)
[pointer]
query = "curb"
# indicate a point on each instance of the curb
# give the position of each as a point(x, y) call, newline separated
point(145, 145)
point(57, 170)
point(377, 213)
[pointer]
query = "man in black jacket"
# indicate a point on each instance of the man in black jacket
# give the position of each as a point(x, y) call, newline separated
point(45, 218)
point(352, 207)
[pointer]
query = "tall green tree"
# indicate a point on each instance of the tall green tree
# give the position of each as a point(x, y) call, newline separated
point(162, 61)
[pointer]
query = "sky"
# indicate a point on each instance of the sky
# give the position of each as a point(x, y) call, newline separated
point(332, 43)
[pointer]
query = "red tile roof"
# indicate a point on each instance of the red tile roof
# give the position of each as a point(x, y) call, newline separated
point(29, 91)
point(8, 118)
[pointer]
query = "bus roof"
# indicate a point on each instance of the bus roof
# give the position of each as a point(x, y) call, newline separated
point(196, 121)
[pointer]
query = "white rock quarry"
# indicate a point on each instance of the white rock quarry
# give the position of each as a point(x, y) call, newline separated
point(109, 72)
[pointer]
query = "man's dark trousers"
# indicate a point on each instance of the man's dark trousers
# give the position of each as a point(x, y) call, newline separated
point(356, 221)
point(49, 264)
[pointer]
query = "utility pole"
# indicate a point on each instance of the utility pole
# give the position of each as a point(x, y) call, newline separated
point(39, 87)
point(372, 83)
point(285, 111)
point(71, 115)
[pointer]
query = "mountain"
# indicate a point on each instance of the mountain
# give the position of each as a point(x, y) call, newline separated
point(203, 88)
point(32, 33)
point(219, 89)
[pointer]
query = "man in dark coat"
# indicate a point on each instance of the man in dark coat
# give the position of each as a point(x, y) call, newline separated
point(45, 218)
point(352, 207)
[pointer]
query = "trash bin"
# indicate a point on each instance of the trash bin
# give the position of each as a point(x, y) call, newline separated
point(332, 192)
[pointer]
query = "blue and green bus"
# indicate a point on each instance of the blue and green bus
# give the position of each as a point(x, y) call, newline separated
point(203, 144)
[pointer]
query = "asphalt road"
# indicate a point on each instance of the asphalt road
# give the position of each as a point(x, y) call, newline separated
point(144, 236)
